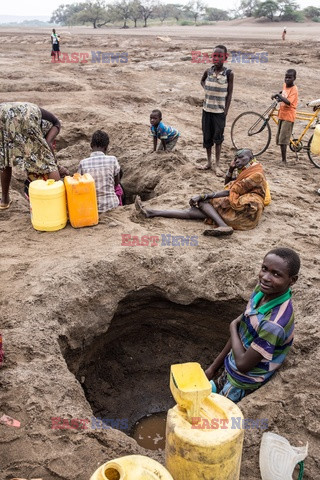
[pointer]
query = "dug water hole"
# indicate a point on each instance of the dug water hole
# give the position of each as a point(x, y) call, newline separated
point(125, 371)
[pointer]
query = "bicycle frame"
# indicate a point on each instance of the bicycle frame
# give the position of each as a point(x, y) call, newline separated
point(306, 116)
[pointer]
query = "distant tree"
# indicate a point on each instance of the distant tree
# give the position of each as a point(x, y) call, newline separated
point(121, 10)
point(94, 12)
point(248, 7)
point(195, 9)
point(135, 11)
point(311, 12)
point(176, 11)
point(287, 9)
point(65, 14)
point(146, 9)
point(268, 9)
point(215, 14)
point(161, 11)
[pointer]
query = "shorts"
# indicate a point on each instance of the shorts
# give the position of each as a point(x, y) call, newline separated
point(169, 145)
point(212, 127)
point(284, 132)
point(56, 47)
point(226, 389)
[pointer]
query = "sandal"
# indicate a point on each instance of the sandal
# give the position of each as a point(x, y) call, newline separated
point(4, 206)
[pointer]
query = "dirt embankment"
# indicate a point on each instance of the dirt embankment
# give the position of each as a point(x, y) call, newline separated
point(60, 292)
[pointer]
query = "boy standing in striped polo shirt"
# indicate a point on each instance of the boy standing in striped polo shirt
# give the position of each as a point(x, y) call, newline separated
point(262, 336)
point(217, 82)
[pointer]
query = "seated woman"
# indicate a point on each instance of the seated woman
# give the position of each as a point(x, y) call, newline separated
point(22, 143)
point(238, 207)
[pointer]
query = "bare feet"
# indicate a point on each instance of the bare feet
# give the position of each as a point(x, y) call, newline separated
point(215, 168)
point(204, 167)
point(219, 172)
point(139, 207)
point(219, 232)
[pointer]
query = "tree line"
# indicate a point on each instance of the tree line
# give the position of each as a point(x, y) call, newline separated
point(98, 13)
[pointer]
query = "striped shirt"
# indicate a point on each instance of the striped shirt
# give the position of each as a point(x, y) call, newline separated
point(164, 132)
point(103, 169)
point(216, 90)
point(268, 329)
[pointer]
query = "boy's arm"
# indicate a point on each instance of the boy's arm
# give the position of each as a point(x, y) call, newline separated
point(218, 362)
point(117, 179)
point(204, 77)
point(280, 98)
point(155, 140)
point(245, 359)
point(164, 144)
point(116, 172)
point(229, 94)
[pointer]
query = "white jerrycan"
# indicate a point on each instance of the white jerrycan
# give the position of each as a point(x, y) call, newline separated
point(278, 458)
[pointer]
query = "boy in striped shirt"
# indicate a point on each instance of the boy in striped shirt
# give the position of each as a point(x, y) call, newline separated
point(217, 82)
point(167, 135)
point(261, 337)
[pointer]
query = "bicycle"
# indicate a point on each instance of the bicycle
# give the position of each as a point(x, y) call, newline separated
point(252, 130)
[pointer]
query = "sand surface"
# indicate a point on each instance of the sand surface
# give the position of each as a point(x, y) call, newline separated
point(60, 291)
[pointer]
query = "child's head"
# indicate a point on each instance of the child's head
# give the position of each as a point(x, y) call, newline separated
point(290, 77)
point(155, 117)
point(100, 141)
point(279, 271)
point(220, 55)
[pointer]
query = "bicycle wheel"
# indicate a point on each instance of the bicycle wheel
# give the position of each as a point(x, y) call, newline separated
point(315, 159)
point(251, 130)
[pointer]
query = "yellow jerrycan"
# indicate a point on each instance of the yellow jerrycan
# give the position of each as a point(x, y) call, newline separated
point(48, 205)
point(132, 467)
point(315, 144)
point(82, 200)
point(204, 433)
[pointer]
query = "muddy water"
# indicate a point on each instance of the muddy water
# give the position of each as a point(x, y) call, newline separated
point(150, 431)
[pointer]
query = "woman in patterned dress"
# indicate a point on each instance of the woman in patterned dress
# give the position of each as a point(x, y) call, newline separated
point(23, 144)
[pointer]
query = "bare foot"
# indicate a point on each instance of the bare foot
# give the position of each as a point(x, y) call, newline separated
point(219, 232)
point(219, 172)
point(204, 167)
point(139, 207)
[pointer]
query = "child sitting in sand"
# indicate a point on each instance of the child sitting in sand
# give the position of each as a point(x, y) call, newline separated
point(261, 337)
point(168, 135)
point(104, 169)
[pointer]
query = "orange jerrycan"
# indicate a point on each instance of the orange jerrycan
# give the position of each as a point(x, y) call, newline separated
point(132, 467)
point(48, 205)
point(204, 432)
point(82, 200)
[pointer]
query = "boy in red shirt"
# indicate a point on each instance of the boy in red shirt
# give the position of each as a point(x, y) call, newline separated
point(287, 111)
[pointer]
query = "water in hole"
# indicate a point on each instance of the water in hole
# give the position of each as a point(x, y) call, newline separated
point(150, 431)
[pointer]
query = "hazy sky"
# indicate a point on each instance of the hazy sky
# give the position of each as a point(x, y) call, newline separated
point(45, 7)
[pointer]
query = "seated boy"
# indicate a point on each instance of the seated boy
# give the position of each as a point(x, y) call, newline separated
point(287, 111)
point(261, 337)
point(104, 169)
point(168, 135)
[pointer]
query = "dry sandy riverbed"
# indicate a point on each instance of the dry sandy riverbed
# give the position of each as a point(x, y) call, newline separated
point(60, 292)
